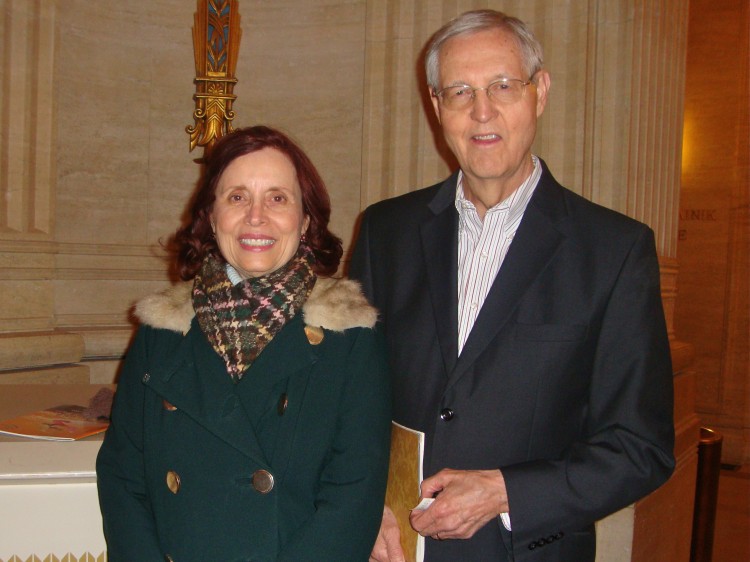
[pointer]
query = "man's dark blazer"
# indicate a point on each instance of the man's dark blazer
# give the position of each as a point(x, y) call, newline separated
point(565, 381)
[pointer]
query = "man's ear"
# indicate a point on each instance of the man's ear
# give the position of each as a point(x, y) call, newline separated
point(435, 104)
point(542, 90)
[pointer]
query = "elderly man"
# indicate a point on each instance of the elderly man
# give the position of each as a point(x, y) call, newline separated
point(526, 333)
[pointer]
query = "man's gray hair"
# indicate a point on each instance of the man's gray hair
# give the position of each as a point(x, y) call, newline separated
point(482, 20)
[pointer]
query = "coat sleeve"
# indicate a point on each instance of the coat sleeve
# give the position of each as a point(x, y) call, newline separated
point(129, 527)
point(349, 502)
point(626, 448)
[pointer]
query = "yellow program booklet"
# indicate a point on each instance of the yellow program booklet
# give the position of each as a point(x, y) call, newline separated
point(404, 478)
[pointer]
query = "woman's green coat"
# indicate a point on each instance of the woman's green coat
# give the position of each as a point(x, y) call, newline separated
point(316, 416)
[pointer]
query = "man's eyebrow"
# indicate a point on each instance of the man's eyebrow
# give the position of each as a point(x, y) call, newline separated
point(494, 78)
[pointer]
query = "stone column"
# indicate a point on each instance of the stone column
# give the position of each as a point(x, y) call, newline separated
point(27, 161)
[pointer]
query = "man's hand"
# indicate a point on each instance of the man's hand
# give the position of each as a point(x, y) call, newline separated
point(388, 544)
point(464, 501)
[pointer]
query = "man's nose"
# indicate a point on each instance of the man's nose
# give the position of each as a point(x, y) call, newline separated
point(483, 108)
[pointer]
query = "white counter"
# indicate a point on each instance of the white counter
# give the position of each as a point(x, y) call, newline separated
point(48, 488)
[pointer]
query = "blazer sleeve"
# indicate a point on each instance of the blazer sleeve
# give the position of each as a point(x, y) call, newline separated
point(626, 448)
point(129, 527)
point(349, 503)
point(360, 263)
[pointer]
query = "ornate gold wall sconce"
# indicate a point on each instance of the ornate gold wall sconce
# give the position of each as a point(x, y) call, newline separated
point(216, 44)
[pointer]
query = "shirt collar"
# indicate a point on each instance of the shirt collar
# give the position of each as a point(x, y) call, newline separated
point(234, 276)
point(515, 203)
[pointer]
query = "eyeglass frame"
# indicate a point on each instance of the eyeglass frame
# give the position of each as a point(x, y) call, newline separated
point(524, 83)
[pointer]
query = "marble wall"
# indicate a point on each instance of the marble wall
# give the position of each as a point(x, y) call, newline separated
point(96, 97)
point(713, 305)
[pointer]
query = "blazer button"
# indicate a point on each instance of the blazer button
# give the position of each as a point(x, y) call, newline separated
point(168, 558)
point(168, 406)
point(446, 414)
point(173, 481)
point(262, 481)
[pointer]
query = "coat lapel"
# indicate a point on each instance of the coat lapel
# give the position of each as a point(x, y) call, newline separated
point(289, 357)
point(196, 382)
point(534, 244)
point(440, 247)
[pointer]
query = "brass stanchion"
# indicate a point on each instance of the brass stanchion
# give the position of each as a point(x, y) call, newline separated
point(706, 495)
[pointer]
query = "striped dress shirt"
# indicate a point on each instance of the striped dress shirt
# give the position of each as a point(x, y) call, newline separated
point(483, 245)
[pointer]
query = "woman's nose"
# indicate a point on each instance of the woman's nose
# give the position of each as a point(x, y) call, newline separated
point(254, 213)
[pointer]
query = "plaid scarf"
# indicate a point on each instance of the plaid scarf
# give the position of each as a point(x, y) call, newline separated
point(239, 320)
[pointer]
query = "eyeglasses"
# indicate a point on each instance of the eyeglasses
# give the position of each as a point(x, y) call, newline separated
point(504, 91)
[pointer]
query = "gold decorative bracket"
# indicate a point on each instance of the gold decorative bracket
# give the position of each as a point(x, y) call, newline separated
point(216, 44)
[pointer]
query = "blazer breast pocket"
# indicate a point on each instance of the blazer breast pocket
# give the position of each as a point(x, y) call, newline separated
point(551, 332)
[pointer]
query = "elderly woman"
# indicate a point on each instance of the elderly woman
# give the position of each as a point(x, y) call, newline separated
point(252, 417)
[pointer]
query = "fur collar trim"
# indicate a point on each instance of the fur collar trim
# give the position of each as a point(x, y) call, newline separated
point(333, 304)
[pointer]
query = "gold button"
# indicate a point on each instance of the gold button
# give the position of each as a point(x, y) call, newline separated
point(262, 481)
point(168, 406)
point(168, 558)
point(173, 481)
point(314, 334)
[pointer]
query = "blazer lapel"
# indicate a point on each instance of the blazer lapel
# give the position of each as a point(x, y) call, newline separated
point(440, 247)
point(534, 244)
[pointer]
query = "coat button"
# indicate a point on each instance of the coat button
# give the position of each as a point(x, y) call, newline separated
point(146, 377)
point(314, 334)
point(262, 481)
point(173, 481)
point(168, 406)
point(168, 558)
point(446, 414)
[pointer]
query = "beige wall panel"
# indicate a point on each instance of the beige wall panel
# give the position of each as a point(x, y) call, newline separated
point(25, 265)
point(103, 372)
point(172, 170)
point(565, 34)
point(26, 125)
point(301, 69)
point(73, 374)
point(103, 86)
point(104, 342)
point(39, 349)
point(26, 305)
point(103, 263)
point(124, 169)
point(104, 302)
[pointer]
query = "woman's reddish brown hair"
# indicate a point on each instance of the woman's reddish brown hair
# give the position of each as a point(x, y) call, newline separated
point(195, 240)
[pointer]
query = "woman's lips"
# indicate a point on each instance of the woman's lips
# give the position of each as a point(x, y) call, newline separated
point(253, 242)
